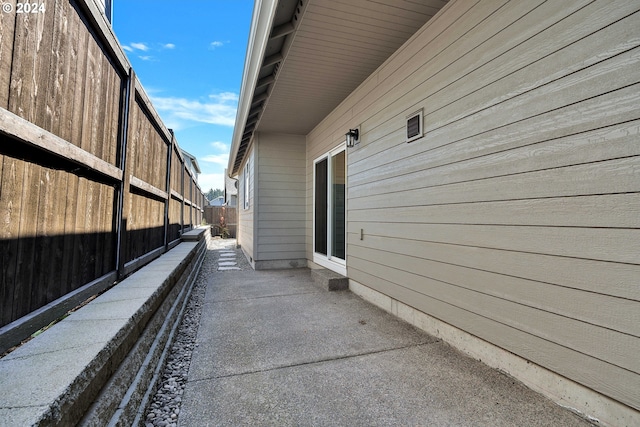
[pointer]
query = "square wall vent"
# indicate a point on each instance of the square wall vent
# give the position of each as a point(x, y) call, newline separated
point(414, 126)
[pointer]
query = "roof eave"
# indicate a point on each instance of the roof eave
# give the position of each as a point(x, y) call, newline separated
point(261, 23)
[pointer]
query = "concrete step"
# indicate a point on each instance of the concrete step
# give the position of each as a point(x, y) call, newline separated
point(329, 280)
point(196, 234)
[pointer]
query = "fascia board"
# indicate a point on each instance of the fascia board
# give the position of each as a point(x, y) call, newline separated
point(264, 12)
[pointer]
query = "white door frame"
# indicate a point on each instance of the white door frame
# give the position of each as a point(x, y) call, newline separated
point(332, 263)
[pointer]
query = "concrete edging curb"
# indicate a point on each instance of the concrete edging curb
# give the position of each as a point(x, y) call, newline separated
point(96, 364)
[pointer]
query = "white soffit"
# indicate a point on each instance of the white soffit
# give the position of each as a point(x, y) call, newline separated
point(337, 46)
point(317, 53)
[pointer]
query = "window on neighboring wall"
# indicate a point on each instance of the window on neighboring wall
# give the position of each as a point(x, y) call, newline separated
point(245, 185)
point(108, 9)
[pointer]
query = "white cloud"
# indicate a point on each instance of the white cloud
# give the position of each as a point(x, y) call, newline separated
point(140, 46)
point(222, 111)
point(219, 159)
point(143, 47)
point(209, 181)
point(216, 44)
point(219, 145)
point(224, 96)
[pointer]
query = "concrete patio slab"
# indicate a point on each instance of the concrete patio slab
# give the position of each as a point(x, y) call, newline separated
point(273, 349)
point(249, 285)
point(425, 385)
point(268, 332)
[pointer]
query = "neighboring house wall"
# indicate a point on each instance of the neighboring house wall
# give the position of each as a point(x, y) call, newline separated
point(230, 190)
point(218, 201)
point(515, 218)
point(281, 201)
point(191, 166)
point(105, 7)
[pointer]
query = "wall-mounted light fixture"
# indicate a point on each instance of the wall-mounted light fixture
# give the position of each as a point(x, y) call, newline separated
point(352, 136)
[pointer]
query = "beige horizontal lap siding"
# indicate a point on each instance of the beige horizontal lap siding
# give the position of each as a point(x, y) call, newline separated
point(246, 216)
point(281, 202)
point(516, 217)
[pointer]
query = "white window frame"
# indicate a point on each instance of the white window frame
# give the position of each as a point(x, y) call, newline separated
point(332, 263)
point(245, 186)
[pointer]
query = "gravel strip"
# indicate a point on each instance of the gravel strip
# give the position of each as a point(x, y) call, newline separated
point(164, 408)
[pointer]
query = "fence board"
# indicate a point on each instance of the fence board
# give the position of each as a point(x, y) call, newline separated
point(12, 174)
point(105, 255)
point(144, 186)
point(175, 219)
point(68, 241)
point(41, 241)
point(76, 83)
point(91, 221)
point(105, 145)
point(109, 230)
point(21, 95)
point(91, 98)
point(97, 228)
point(148, 149)
point(54, 267)
point(60, 68)
point(61, 99)
point(133, 125)
point(186, 217)
point(26, 243)
point(78, 230)
point(212, 215)
point(114, 94)
point(19, 128)
point(44, 77)
point(7, 23)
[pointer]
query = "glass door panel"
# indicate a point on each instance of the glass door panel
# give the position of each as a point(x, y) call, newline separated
point(321, 205)
point(329, 220)
point(338, 180)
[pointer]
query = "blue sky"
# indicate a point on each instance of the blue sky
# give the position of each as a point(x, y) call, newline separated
point(189, 56)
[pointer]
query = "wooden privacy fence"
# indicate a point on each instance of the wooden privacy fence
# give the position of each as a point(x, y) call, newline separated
point(92, 183)
point(220, 217)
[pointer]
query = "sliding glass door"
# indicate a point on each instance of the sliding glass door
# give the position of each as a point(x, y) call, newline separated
point(329, 220)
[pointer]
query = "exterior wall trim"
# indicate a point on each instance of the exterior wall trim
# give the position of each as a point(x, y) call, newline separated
point(279, 264)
